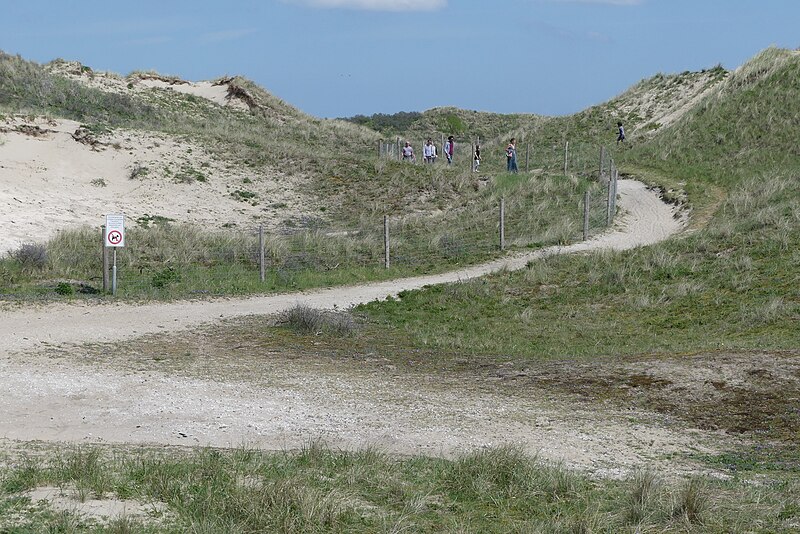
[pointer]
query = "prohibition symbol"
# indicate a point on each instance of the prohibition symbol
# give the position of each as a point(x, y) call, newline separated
point(115, 237)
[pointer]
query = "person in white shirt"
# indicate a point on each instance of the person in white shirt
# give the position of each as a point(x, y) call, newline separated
point(408, 152)
point(429, 151)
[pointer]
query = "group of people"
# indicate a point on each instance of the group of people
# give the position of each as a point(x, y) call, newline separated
point(429, 153)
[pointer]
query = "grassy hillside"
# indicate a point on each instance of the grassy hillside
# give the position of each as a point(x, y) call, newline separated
point(746, 127)
point(273, 135)
point(740, 138)
point(440, 215)
point(731, 286)
point(701, 332)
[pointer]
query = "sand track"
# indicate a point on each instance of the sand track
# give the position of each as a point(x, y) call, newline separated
point(65, 400)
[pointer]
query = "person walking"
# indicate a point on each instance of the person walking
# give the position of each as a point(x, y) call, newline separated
point(621, 132)
point(429, 151)
point(476, 158)
point(408, 152)
point(511, 156)
point(449, 148)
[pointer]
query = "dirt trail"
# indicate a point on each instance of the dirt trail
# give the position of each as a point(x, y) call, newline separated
point(288, 402)
point(645, 220)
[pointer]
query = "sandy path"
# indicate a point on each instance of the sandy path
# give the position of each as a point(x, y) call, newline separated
point(291, 402)
point(645, 220)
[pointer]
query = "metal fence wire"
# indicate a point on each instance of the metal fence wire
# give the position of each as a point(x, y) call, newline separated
point(246, 260)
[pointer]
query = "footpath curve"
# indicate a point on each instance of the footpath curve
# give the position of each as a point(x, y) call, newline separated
point(644, 220)
point(278, 403)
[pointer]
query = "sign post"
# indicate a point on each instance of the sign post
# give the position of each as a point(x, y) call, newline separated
point(115, 238)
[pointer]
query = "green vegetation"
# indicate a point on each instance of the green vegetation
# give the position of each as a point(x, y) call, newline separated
point(307, 320)
point(730, 284)
point(540, 211)
point(322, 490)
point(387, 124)
point(605, 328)
point(188, 175)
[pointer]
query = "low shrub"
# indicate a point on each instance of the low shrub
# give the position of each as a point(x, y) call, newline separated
point(31, 256)
point(307, 320)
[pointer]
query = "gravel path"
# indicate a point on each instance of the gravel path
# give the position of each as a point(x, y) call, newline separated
point(645, 220)
point(66, 400)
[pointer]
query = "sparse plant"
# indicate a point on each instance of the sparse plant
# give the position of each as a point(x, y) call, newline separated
point(64, 288)
point(307, 320)
point(31, 256)
point(165, 277)
point(643, 492)
point(243, 195)
point(138, 171)
point(692, 501)
point(188, 175)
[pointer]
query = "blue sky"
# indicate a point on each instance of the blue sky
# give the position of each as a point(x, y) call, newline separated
point(335, 58)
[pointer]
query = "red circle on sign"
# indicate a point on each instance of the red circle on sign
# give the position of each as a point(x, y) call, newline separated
point(114, 237)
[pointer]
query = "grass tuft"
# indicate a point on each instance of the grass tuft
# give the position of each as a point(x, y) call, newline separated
point(307, 320)
point(692, 501)
point(31, 256)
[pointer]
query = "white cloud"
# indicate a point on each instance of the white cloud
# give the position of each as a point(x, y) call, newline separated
point(375, 5)
point(606, 2)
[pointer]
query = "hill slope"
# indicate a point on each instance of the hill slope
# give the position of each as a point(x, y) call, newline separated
point(77, 144)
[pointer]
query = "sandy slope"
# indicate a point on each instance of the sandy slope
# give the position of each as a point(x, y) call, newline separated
point(49, 182)
point(285, 403)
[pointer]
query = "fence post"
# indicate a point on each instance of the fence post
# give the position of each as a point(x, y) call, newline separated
point(386, 261)
point(527, 156)
point(261, 267)
point(602, 157)
point(503, 223)
point(105, 258)
point(586, 215)
point(609, 212)
point(566, 156)
point(472, 159)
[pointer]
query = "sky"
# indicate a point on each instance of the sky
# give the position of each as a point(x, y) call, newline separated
point(338, 58)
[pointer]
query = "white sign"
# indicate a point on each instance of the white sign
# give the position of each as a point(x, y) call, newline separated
point(115, 230)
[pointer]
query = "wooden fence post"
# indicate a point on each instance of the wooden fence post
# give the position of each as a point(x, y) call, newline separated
point(502, 223)
point(386, 241)
point(261, 267)
point(614, 197)
point(472, 159)
point(602, 157)
point(566, 156)
point(527, 156)
point(586, 215)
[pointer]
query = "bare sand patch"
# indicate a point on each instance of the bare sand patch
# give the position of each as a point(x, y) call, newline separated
point(103, 510)
point(52, 179)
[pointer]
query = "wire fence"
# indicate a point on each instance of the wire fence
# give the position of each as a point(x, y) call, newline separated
point(588, 160)
point(188, 260)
